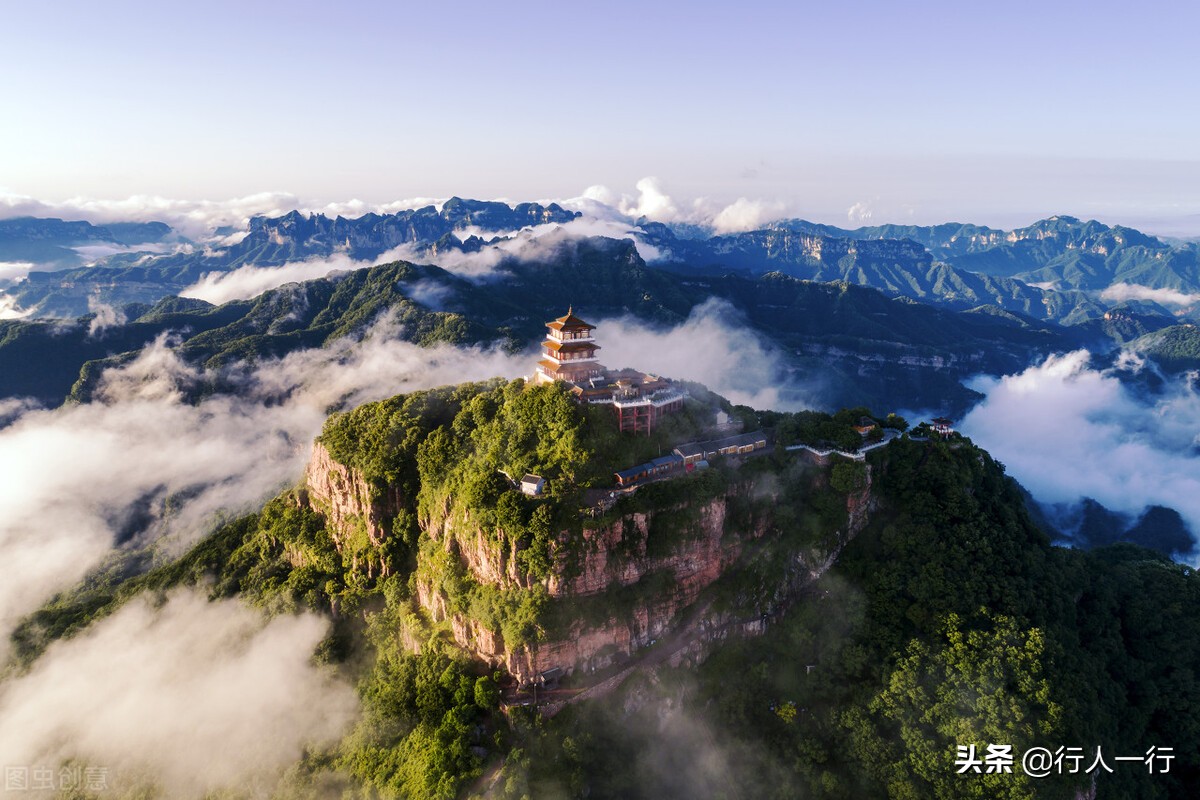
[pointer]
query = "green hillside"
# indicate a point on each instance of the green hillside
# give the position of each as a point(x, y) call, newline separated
point(1175, 349)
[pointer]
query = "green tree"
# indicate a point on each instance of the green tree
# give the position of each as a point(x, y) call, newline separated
point(487, 694)
point(972, 685)
point(848, 476)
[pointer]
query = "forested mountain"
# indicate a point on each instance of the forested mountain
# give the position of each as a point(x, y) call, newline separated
point(858, 343)
point(812, 628)
point(1175, 349)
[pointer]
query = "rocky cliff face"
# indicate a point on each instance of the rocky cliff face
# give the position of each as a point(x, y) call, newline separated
point(619, 585)
point(609, 557)
point(616, 555)
point(679, 619)
point(349, 503)
point(484, 559)
point(768, 248)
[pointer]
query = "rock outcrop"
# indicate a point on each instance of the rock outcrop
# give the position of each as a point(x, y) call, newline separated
point(349, 503)
point(616, 554)
point(619, 585)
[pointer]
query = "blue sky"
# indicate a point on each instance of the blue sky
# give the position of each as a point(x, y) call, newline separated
point(907, 111)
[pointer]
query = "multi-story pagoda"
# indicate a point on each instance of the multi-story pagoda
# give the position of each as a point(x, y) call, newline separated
point(569, 355)
point(569, 351)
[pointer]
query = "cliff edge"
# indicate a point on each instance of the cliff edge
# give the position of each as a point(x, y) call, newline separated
point(582, 576)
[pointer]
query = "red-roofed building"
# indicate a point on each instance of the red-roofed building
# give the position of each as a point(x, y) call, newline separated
point(569, 355)
point(569, 351)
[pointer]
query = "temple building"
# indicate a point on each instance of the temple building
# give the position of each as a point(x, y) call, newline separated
point(569, 355)
point(569, 351)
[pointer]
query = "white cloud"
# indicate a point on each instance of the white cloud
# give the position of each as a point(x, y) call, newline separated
point(612, 229)
point(92, 253)
point(746, 215)
point(652, 201)
point(222, 242)
point(350, 373)
point(105, 317)
point(473, 265)
point(194, 697)
point(250, 281)
point(1120, 292)
point(14, 270)
point(532, 244)
point(597, 202)
point(13, 407)
point(1067, 431)
point(69, 476)
point(464, 232)
point(357, 208)
point(860, 212)
point(431, 294)
point(712, 347)
point(10, 310)
point(601, 194)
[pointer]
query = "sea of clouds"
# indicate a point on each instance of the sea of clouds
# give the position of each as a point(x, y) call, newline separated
point(1067, 430)
point(190, 696)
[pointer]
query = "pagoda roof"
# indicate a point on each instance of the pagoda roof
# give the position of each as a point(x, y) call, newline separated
point(569, 322)
point(569, 347)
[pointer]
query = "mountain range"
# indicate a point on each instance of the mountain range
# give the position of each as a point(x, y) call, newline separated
point(873, 314)
point(1060, 269)
point(141, 276)
point(853, 341)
